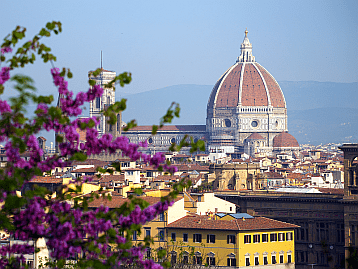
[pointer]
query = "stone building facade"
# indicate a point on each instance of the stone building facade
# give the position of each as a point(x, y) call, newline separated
point(233, 176)
point(328, 222)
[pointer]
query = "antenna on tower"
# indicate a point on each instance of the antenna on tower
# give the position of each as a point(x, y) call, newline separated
point(101, 59)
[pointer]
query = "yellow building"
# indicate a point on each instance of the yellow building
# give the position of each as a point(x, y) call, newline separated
point(235, 240)
point(156, 227)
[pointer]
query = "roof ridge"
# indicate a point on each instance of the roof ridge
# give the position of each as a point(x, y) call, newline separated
point(237, 224)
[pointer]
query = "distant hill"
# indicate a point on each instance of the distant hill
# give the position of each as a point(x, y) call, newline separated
point(318, 112)
point(304, 95)
point(324, 125)
point(148, 107)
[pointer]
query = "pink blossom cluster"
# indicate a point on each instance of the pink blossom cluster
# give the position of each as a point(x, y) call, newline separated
point(66, 229)
point(70, 231)
point(6, 50)
point(4, 74)
point(69, 106)
point(5, 251)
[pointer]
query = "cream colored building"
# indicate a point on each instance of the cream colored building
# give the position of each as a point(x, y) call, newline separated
point(204, 203)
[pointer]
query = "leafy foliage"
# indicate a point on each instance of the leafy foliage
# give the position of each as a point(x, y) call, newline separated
point(99, 238)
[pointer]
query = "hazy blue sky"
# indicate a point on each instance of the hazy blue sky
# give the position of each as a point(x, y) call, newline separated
point(166, 43)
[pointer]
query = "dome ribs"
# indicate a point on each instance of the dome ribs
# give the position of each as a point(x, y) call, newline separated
point(253, 88)
point(276, 95)
point(215, 90)
point(228, 95)
point(285, 140)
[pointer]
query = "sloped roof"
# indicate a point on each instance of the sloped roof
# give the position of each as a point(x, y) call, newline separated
point(206, 223)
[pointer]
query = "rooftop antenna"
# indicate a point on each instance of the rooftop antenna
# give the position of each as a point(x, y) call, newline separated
point(101, 59)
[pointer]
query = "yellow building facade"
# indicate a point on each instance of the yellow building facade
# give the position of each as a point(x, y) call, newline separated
point(232, 241)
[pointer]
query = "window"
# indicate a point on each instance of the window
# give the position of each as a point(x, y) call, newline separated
point(185, 258)
point(281, 258)
point(210, 260)
point(135, 235)
point(174, 237)
point(148, 253)
point(161, 216)
point(322, 231)
point(98, 102)
point(247, 261)
point(147, 231)
point(273, 258)
point(257, 260)
point(247, 239)
point(197, 238)
point(289, 258)
point(265, 260)
point(302, 233)
point(161, 235)
point(340, 233)
point(231, 239)
point(256, 238)
point(210, 238)
point(173, 259)
point(231, 261)
point(199, 198)
point(264, 238)
point(185, 237)
point(273, 237)
point(30, 264)
point(281, 237)
point(289, 236)
point(197, 259)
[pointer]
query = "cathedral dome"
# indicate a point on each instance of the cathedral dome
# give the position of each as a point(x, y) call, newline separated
point(246, 84)
point(285, 140)
point(255, 136)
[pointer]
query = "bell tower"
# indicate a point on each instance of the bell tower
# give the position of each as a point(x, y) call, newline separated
point(100, 104)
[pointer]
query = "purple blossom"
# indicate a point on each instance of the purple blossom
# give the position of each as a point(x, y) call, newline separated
point(6, 50)
point(4, 74)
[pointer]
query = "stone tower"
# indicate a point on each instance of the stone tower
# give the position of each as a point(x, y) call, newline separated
point(100, 104)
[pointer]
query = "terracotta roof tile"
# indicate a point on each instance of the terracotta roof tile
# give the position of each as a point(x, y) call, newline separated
point(285, 140)
point(172, 128)
point(255, 136)
point(39, 179)
point(205, 223)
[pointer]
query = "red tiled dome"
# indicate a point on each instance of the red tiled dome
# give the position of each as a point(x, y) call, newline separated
point(246, 83)
point(249, 84)
point(285, 140)
point(255, 136)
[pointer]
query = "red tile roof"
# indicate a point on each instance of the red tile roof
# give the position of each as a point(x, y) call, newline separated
point(39, 179)
point(227, 89)
point(117, 201)
point(285, 140)
point(167, 128)
point(255, 136)
point(85, 170)
point(205, 223)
